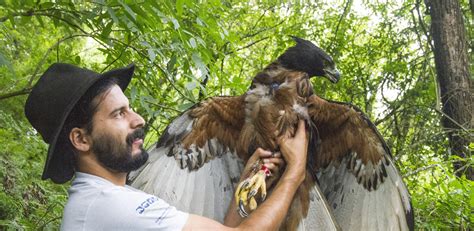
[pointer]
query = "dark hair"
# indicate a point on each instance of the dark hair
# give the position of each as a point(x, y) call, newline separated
point(84, 110)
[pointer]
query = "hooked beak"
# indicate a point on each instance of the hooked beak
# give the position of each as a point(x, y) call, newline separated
point(332, 74)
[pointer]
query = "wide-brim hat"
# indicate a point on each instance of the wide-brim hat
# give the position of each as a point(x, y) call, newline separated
point(50, 102)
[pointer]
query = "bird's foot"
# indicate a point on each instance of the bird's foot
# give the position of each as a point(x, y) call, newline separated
point(249, 188)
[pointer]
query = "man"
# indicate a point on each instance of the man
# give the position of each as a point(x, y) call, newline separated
point(94, 134)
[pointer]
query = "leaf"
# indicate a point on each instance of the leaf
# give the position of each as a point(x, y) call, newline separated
point(175, 23)
point(179, 7)
point(128, 10)
point(471, 193)
point(192, 42)
point(199, 21)
point(5, 62)
point(39, 20)
point(185, 106)
point(112, 15)
point(106, 31)
point(151, 54)
point(133, 93)
point(199, 64)
point(171, 63)
point(191, 85)
point(47, 5)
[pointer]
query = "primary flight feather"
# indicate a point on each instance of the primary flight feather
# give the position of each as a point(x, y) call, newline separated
point(351, 181)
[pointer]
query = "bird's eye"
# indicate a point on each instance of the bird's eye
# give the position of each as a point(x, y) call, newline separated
point(328, 62)
point(274, 85)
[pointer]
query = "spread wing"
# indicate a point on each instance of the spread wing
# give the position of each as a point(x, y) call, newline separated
point(355, 170)
point(194, 165)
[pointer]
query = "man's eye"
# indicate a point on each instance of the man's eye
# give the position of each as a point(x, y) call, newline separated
point(120, 114)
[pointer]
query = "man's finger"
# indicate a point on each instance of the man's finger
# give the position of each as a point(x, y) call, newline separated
point(277, 161)
point(276, 155)
point(301, 132)
point(271, 166)
point(263, 153)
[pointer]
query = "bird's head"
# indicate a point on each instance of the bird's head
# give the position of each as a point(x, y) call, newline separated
point(307, 57)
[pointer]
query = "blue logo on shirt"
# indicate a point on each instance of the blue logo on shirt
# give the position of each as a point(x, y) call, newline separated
point(145, 204)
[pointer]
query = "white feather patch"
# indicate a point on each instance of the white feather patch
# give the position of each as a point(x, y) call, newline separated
point(356, 208)
point(206, 191)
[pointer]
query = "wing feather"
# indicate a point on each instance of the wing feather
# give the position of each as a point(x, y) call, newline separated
point(355, 170)
point(320, 216)
point(194, 165)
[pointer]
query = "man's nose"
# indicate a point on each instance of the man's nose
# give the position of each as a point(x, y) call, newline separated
point(137, 120)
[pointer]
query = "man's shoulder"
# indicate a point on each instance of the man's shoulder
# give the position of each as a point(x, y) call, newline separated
point(104, 195)
point(119, 198)
point(108, 205)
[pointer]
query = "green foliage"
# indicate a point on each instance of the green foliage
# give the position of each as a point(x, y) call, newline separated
point(186, 51)
point(443, 201)
point(27, 202)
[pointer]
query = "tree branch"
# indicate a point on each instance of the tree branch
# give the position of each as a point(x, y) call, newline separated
point(386, 117)
point(27, 88)
point(153, 64)
point(424, 168)
point(452, 120)
point(23, 91)
point(343, 15)
point(416, 171)
point(422, 25)
point(27, 13)
point(247, 46)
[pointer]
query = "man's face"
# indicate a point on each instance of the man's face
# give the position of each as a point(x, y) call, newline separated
point(117, 133)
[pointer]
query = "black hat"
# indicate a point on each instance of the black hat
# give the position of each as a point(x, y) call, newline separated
point(50, 102)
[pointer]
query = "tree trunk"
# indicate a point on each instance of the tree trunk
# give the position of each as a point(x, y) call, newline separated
point(456, 87)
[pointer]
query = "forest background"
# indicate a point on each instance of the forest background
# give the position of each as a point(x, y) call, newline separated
point(186, 51)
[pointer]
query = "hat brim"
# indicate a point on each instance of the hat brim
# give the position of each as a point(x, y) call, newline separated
point(59, 166)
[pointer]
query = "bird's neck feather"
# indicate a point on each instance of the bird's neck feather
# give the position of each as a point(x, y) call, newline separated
point(267, 117)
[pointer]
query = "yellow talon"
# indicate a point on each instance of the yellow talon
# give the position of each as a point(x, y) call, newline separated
point(239, 191)
point(252, 204)
point(249, 188)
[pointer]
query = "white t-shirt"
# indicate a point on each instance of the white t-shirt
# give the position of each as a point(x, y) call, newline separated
point(97, 204)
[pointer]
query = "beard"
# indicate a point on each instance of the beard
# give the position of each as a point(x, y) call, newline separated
point(116, 154)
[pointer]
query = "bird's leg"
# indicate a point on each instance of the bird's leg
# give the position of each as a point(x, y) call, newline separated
point(248, 189)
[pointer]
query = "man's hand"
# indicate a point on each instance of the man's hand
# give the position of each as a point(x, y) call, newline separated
point(294, 150)
point(273, 161)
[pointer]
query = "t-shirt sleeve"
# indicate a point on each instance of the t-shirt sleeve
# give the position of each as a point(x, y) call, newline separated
point(128, 210)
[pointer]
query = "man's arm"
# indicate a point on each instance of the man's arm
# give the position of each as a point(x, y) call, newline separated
point(270, 214)
point(273, 162)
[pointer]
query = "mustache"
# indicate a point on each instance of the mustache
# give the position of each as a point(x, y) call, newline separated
point(139, 133)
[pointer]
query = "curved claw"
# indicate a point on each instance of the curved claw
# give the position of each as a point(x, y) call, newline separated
point(246, 191)
point(241, 195)
point(263, 189)
point(242, 211)
point(240, 191)
point(258, 183)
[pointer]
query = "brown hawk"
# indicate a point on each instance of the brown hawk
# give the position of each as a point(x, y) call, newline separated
point(351, 181)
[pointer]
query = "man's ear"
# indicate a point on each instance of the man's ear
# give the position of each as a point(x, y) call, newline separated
point(79, 139)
